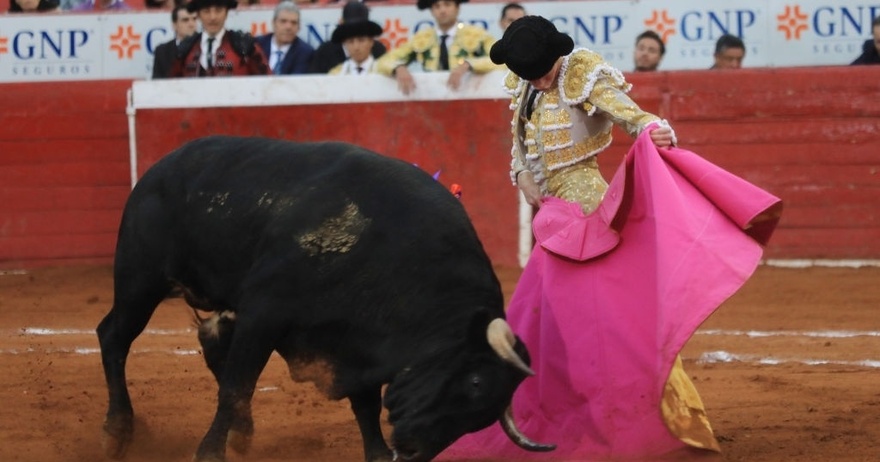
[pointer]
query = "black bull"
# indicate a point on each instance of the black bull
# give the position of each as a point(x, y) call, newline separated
point(328, 254)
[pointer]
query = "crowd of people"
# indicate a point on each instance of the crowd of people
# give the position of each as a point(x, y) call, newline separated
point(448, 46)
point(353, 48)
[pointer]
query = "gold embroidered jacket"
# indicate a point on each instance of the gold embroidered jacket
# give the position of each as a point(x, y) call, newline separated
point(470, 44)
point(572, 121)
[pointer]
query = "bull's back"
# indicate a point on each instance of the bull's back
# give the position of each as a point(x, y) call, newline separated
point(226, 202)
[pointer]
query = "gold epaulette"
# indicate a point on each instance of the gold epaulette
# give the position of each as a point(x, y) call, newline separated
point(580, 72)
point(512, 83)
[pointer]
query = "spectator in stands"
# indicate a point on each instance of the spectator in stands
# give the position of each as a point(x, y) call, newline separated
point(184, 24)
point(452, 46)
point(217, 51)
point(511, 12)
point(329, 54)
point(94, 5)
point(649, 51)
point(871, 48)
point(729, 52)
point(33, 6)
point(159, 4)
point(357, 37)
point(288, 54)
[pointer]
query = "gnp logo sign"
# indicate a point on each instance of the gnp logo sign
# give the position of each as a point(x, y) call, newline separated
point(699, 29)
point(827, 21)
point(829, 29)
point(125, 41)
point(702, 25)
point(47, 52)
point(88, 48)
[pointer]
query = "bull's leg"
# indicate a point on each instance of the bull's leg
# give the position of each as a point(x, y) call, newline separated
point(215, 336)
point(136, 296)
point(248, 355)
point(367, 407)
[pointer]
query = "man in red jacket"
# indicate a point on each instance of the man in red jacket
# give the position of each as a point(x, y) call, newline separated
point(217, 51)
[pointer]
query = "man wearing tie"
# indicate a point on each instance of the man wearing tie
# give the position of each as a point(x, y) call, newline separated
point(287, 53)
point(184, 24)
point(451, 46)
point(357, 37)
point(216, 51)
point(329, 55)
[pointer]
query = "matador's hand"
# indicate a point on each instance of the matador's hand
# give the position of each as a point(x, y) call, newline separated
point(663, 136)
point(529, 188)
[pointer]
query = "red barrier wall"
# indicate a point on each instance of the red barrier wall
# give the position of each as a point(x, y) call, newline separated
point(63, 171)
point(808, 135)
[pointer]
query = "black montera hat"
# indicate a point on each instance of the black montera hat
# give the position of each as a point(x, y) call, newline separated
point(530, 47)
point(425, 4)
point(354, 10)
point(349, 29)
point(196, 5)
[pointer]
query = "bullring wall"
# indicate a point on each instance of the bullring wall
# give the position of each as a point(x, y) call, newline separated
point(808, 135)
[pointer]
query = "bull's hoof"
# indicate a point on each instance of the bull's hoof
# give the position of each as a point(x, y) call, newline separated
point(381, 455)
point(209, 459)
point(240, 442)
point(117, 436)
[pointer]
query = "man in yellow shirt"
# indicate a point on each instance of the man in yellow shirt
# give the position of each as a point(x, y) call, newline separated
point(450, 46)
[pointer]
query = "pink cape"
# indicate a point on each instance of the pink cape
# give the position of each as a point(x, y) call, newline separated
point(607, 301)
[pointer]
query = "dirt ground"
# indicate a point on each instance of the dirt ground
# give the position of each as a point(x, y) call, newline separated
point(789, 370)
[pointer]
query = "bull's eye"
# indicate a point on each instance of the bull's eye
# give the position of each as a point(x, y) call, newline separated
point(475, 386)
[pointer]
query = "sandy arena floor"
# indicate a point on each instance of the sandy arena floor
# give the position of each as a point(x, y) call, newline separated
point(789, 370)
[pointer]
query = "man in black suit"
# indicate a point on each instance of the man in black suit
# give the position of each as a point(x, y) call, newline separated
point(871, 47)
point(184, 24)
point(329, 54)
point(287, 53)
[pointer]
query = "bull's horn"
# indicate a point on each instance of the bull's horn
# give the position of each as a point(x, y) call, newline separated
point(501, 339)
point(517, 437)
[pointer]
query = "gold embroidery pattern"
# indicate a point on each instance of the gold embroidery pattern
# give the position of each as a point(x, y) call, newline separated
point(471, 43)
point(513, 85)
point(581, 183)
point(618, 106)
point(424, 39)
point(581, 65)
point(556, 139)
point(550, 135)
point(470, 39)
point(555, 160)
